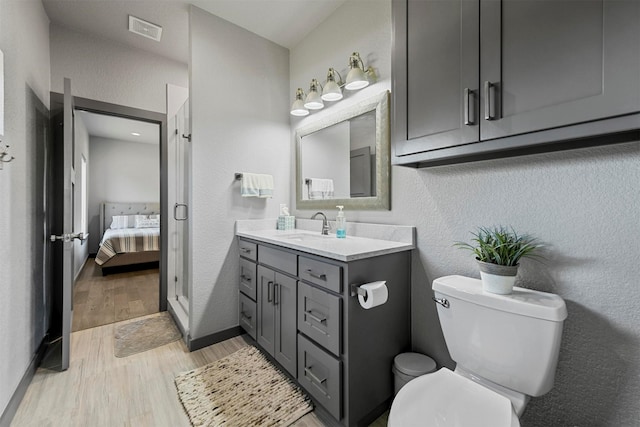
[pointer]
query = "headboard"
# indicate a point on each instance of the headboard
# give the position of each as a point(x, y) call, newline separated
point(108, 210)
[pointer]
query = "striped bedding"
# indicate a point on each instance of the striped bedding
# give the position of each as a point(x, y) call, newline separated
point(127, 240)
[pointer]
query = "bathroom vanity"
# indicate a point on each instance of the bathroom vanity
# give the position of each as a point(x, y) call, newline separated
point(298, 300)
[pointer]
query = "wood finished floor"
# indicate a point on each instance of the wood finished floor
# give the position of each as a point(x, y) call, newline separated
point(100, 300)
point(99, 389)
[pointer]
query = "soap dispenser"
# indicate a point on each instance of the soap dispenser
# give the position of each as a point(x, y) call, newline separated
point(341, 224)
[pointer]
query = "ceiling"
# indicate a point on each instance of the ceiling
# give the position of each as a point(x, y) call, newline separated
point(120, 129)
point(284, 22)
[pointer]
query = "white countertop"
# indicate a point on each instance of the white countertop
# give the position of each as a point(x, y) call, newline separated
point(398, 239)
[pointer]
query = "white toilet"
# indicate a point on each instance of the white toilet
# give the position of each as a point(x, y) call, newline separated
point(506, 349)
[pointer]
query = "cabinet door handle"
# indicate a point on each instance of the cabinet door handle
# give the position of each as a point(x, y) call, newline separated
point(247, 278)
point(276, 292)
point(269, 291)
point(488, 103)
point(469, 119)
point(316, 275)
point(314, 317)
point(313, 376)
point(245, 316)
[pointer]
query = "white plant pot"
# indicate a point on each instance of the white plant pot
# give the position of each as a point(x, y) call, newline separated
point(497, 279)
point(495, 284)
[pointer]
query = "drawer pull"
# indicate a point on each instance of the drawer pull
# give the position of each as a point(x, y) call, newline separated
point(311, 375)
point(316, 275)
point(245, 316)
point(245, 250)
point(246, 278)
point(310, 314)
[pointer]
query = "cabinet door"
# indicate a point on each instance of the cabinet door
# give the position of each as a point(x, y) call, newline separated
point(435, 82)
point(266, 312)
point(285, 311)
point(547, 64)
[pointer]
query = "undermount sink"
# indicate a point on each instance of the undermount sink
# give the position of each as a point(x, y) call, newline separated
point(302, 237)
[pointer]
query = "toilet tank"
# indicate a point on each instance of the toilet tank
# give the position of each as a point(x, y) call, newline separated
point(512, 340)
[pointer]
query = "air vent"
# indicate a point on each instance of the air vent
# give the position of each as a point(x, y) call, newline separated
point(144, 28)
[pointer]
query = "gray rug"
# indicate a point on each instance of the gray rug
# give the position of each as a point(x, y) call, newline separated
point(243, 389)
point(145, 334)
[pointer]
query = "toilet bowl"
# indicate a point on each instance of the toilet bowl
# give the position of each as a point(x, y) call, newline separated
point(445, 398)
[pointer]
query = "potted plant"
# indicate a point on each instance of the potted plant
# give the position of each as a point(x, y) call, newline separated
point(498, 251)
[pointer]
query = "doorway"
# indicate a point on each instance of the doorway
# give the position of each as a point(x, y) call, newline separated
point(122, 177)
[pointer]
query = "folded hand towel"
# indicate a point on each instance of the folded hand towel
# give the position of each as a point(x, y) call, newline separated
point(256, 185)
point(321, 188)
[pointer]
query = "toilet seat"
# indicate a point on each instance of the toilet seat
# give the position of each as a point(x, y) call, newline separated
point(446, 399)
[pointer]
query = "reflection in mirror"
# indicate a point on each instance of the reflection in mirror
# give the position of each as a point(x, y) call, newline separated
point(340, 160)
point(344, 159)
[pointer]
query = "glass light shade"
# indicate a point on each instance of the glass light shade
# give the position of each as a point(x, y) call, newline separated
point(297, 109)
point(331, 91)
point(356, 79)
point(314, 101)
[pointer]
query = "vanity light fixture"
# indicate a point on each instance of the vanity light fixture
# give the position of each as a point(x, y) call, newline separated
point(298, 109)
point(358, 75)
point(331, 90)
point(314, 100)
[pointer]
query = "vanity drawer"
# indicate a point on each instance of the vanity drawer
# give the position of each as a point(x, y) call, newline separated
point(319, 316)
point(248, 278)
point(320, 273)
point(248, 315)
point(248, 250)
point(280, 260)
point(320, 374)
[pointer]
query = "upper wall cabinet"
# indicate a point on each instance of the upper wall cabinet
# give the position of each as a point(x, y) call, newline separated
point(478, 79)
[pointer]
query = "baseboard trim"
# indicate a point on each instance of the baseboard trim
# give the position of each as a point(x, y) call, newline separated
point(12, 407)
point(198, 343)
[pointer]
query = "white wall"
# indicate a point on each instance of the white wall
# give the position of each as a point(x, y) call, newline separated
point(80, 249)
point(120, 171)
point(583, 204)
point(239, 103)
point(24, 39)
point(107, 71)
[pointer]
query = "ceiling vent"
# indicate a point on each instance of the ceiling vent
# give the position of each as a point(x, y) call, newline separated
point(144, 28)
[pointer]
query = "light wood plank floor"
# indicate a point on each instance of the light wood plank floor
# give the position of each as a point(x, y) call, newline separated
point(101, 390)
point(100, 300)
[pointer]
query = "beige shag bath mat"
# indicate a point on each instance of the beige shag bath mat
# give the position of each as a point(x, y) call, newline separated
point(243, 389)
point(145, 334)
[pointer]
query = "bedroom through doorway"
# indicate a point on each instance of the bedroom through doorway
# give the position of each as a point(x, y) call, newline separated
point(118, 275)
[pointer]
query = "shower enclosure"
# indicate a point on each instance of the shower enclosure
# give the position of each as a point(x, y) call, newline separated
point(178, 268)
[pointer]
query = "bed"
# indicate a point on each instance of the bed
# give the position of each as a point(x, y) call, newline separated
point(130, 234)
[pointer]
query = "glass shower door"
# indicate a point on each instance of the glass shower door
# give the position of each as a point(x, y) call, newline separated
point(181, 207)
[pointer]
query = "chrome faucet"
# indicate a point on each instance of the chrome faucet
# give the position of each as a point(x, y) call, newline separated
point(325, 223)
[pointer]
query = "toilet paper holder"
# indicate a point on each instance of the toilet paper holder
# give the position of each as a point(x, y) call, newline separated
point(356, 290)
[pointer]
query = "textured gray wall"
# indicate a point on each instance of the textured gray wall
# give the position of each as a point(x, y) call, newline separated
point(239, 104)
point(24, 40)
point(584, 204)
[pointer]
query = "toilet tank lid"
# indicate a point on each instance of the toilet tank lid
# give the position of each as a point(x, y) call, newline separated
point(525, 302)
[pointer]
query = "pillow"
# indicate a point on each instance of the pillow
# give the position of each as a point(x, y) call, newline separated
point(123, 221)
point(142, 221)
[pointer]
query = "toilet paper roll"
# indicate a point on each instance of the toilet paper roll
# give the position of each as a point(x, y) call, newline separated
point(376, 294)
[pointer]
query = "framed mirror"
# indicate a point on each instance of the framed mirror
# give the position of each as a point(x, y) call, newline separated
point(343, 159)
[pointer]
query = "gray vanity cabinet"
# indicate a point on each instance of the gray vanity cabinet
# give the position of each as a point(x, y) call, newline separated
point(491, 78)
point(315, 328)
point(276, 326)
